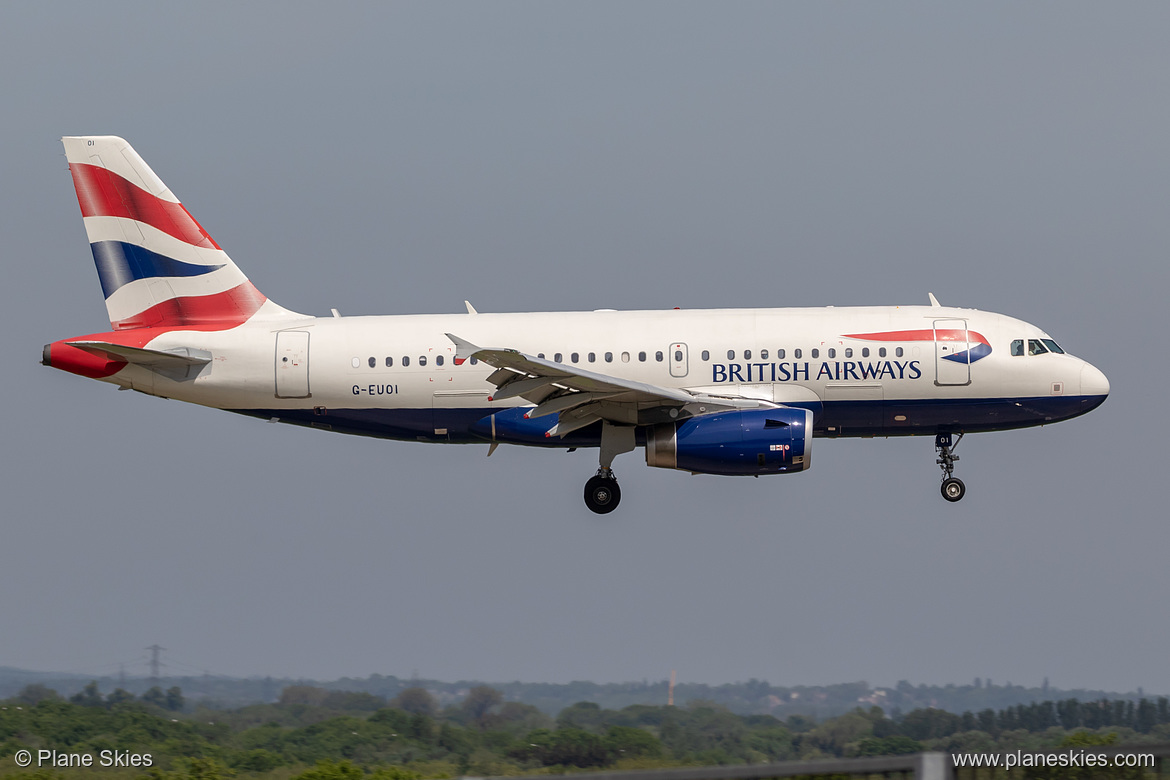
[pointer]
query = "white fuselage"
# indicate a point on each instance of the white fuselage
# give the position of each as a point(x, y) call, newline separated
point(397, 377)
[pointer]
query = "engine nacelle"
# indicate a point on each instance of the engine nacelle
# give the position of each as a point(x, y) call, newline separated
point(759, 441)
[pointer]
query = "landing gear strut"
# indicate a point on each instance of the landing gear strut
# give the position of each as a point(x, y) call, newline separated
point(953, 488)
point(602, 494)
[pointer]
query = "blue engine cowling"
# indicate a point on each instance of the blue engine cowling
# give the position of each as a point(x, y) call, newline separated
point(760, 441)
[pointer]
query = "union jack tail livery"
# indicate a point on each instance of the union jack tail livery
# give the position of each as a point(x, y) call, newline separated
point(158, 267)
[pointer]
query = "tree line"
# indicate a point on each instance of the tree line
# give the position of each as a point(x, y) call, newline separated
point(1142, 716)
point(312, 733)
point(171, 699)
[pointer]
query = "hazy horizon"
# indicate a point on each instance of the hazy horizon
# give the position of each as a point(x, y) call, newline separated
point(985, 682)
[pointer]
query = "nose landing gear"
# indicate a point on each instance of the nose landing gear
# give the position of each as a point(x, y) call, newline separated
point(952, 488)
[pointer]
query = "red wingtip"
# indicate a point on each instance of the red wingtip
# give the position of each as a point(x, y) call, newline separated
point(490, 399)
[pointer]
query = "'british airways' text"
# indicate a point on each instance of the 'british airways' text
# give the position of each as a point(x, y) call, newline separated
point(805, 372)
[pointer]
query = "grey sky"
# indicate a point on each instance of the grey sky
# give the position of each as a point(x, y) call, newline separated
point(400, 158)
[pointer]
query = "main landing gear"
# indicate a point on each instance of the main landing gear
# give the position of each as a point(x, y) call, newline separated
point(602, 494)
point(952, 488)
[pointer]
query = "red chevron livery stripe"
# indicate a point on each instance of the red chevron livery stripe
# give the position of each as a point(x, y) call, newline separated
point(944, 334)
point(104, 194)
point(219, 311)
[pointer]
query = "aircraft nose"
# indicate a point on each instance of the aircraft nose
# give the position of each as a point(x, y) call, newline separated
point(1093, 382)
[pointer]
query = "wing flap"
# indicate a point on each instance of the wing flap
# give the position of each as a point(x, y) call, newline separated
point(520, 387)
point(563, 402)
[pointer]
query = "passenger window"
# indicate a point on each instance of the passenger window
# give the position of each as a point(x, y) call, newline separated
point(706, 355)
point(658, 356)
point(1018, 348)
point(678, 356)
point(373, 362)
point(574, 357)
point(731, 354)
point(779, 354)
point(405, 361)
point(438, 360)
point(1052, 346)
point(832, 352)
point(540, 355)
point(474, 361)
point(898, 352)
point(849, 352)
point(881, 351)
point(747, 354)
point(641, 357)
point(865, 352)
point(608, 357)
point(356, 362)
point(592, 357)
point(796, 353)
point(389, 362)
point(1035, 347)
point(763, 354)
point(422, 360)
point(625, 357)
point(557, 357)
point(816, 353)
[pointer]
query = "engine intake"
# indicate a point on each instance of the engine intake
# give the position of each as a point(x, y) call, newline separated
point(760, 441)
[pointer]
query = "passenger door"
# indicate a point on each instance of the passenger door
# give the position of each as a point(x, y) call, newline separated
point(951, 353)
point(292, 364)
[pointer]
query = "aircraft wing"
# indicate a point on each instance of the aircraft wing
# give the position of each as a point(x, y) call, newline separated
point(580, 398)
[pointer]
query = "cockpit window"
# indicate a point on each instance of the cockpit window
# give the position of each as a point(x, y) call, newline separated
point(1053, 346)
point(1035, 347)
point(1018, 348)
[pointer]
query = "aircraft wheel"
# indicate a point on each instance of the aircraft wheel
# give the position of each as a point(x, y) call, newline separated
point(602, 494)
point(953, 489)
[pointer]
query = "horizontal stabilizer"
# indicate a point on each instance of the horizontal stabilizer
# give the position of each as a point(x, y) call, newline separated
point(179, 365)
point(151, 358)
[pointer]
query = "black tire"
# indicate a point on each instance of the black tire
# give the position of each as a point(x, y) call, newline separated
point(953, 489)
point(602, 495)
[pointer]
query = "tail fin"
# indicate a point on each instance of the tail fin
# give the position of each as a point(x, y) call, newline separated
point(158, 267)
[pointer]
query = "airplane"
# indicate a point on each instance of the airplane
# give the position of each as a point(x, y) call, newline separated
point(717, 391)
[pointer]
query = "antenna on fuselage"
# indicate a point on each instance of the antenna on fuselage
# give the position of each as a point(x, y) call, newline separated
point(933, 301)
